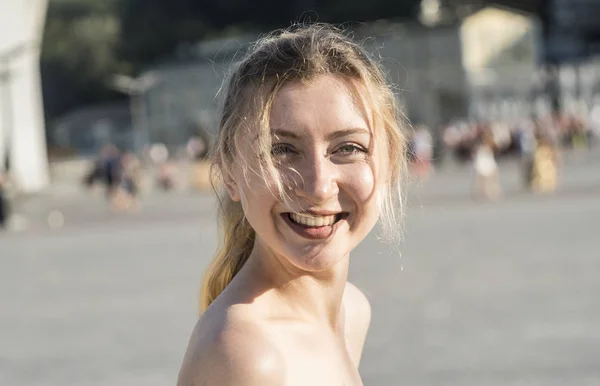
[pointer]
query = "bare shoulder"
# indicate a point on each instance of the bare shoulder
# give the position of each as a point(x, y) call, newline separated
point(357, 319)
point(357, 306)
point(231, 349)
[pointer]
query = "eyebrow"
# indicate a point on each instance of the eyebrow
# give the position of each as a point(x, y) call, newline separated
point(346, 132)
point(283, 133)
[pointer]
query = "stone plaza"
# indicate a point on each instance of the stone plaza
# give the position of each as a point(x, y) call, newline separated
point(478, 293)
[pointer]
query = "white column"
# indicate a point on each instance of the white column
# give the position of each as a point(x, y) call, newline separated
point(29, 159)
point(3, 119)
point(21, 28)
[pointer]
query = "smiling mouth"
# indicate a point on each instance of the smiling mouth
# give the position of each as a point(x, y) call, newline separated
point(312, 221)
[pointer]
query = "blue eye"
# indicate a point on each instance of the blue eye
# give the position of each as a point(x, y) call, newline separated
point(282, 149)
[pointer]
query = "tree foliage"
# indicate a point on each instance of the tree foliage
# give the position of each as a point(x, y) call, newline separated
point(78, 51)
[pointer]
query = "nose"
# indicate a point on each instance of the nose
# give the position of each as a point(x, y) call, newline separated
point(319, 179)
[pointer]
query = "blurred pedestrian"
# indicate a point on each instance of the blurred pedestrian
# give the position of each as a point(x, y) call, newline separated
point(422, 146)
point(95, 174)
point(127, 194)
point(527, 144)
point(166, 175)
point(487, 179)
point(112, 170)
point(544, 169)
point(4, 204)
point(96, 171)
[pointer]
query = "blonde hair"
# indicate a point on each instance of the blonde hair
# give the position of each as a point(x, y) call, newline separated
point(297, 54)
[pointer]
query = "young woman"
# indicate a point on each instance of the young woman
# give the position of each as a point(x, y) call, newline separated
point(310, 155)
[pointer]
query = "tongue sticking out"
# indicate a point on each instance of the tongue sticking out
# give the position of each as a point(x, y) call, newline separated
point(311, 232)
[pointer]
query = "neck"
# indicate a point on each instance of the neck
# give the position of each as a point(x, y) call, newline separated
point(311, 296)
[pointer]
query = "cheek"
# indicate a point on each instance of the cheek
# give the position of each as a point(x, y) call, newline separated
point(361, 181)
point(253, 183)
point(256, 208)
point(257, 200)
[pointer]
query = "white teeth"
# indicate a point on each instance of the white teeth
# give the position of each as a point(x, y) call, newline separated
point(313, 221)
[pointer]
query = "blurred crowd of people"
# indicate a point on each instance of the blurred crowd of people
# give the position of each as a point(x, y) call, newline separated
point(536, 142)
point(520, 137)
point(119, 172)
point(122, 172)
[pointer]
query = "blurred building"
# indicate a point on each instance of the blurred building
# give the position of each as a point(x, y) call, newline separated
point(506, 56)
point(501, 51)
point(183, 101)
point(84, 131)
point(22, 138)
point(487, 64)
point(424, 63)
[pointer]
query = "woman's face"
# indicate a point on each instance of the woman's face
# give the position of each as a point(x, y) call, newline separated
point(326, 155)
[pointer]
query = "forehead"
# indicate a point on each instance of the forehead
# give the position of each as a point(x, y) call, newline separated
point(324, 104)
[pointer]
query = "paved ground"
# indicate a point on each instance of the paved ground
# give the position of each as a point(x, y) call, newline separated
point(483, 293)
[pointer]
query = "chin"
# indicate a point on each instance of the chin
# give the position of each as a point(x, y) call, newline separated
point(317, 259)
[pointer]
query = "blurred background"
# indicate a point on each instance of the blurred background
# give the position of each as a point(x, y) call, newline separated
point(107, 221)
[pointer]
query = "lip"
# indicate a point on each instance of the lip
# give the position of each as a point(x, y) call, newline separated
point(315, 233)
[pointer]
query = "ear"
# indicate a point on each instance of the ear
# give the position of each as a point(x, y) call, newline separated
point(232, 188)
